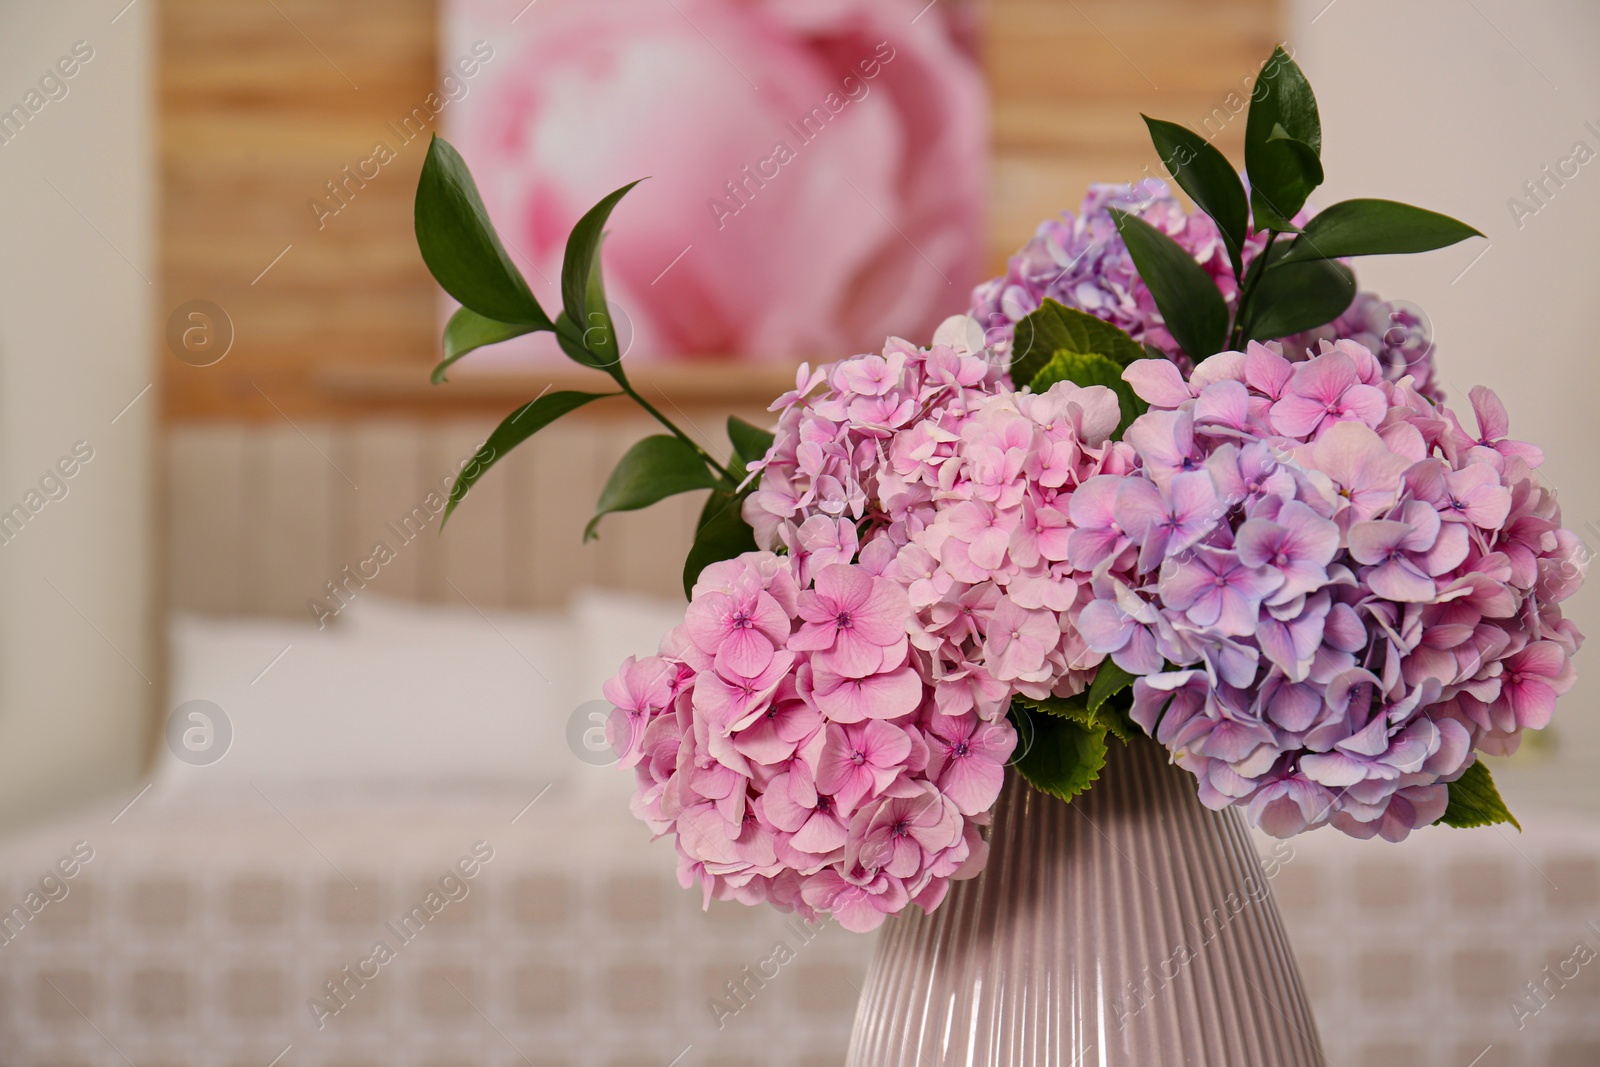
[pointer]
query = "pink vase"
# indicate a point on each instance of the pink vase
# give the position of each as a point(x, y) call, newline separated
point(1131, 927)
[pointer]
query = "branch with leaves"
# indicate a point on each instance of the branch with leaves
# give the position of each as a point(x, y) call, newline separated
point(466, 257)
point(1295, 283)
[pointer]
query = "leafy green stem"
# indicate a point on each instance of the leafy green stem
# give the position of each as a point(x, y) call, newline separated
point(575, 339)
point(1252, 279)
point(679, 434)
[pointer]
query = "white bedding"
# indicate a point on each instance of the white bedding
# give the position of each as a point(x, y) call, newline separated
point(373, 758)
point(395, 697)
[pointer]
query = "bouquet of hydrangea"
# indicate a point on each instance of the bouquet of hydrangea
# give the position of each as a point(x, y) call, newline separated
point(1173, 474)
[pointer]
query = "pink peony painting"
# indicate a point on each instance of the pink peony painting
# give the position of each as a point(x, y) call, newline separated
point(817, 170)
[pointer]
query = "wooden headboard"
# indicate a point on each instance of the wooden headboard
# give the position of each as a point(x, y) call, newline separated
point(285, 460)
point(285, 520)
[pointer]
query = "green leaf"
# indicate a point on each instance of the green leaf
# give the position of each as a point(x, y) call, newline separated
point(570, 338)
point(1075, 708)
point(1293, 170)
point(1300, 296)
point(517, 427)
point(579, 268)
point(1474, 801)
point(652, 470)
point(1105, 717)
point(1206, 175)
point(594, 345)
point(600, 332)
point(1374, 228)
point(1092, 369)
point(750, 442)
point(461, 248)
point(1053, 328)
point(720, 534)
point(469, 331)
point(1282, 142)
point(1057, 755)
point(1109, 681)
point(1189, 301)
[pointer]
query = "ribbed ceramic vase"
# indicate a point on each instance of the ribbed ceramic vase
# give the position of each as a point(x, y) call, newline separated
point(1131, 928)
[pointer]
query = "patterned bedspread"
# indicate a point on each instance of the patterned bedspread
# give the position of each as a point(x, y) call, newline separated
point(491, 928)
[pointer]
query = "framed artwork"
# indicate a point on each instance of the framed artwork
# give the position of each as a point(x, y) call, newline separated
point(816, 173)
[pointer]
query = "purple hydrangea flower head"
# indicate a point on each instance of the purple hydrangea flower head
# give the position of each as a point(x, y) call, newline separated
point(1360, 610)
point(1081, 261)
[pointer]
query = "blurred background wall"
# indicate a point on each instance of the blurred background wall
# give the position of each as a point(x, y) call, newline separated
point(289, 457)
point(80, 664)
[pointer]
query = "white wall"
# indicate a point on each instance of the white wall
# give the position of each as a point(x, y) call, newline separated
point(1454, 105)
point(78, 668)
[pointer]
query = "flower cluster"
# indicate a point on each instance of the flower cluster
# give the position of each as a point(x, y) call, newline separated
point(783, 736)
point(932, 472)
point(982, 512)
point(1394, 331)
point(1358, 592)
point(818, 491)
point(1082, 262)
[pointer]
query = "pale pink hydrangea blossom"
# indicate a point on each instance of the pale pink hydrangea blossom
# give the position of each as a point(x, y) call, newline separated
point(784, 739)
point(958, 490)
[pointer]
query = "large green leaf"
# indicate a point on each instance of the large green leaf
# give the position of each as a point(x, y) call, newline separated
point(1054, 327)
point(469, 331)
point(720, 534)
point(517, 427)
point(1109, 681)
point(1374, 228)
point(1292, 170)
point(600, 333)
point(460, 246)
point(1474, 801)
point(750, 444)
point(1206, 175)
point(571, 340)
point(1057, 755)
point(1105, 716)
point(578, 267)
point(1092, 369)
point(1190, 302)
point(1282, 143)
point(652, 470)
point(1300, 296)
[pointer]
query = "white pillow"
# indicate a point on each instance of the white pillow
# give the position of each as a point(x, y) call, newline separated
point(415, 698)
point(612, 626)
point(381, 614)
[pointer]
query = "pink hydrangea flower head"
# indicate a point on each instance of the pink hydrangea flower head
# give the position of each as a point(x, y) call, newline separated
point(791, 744)
point(854, 622)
